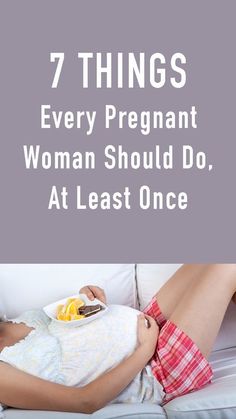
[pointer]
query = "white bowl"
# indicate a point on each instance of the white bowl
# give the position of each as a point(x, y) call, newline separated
point(51, 311)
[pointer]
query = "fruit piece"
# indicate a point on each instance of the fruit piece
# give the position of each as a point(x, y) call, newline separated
point(79, 303)
point(71, 308)
point(67, 317)
point(69, 311)
point(70, 300)
point(60, 316)
point(59, 309)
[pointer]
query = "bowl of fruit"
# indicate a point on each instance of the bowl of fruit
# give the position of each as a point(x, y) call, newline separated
point(75, 310)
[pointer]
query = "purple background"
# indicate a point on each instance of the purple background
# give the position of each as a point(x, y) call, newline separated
point(205, 33)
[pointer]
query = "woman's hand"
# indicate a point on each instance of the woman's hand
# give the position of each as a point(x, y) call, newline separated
point(148, 332)
point(91, 291)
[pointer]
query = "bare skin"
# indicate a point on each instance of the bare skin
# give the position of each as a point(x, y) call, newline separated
point(11, 333)
point(173, 290)
point(198, 298)
point(195, 299)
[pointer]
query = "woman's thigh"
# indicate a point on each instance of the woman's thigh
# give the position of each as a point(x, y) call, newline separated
point(201, 310)
point(173, 290)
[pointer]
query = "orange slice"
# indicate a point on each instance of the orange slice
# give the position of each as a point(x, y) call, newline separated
point(70, 300)
point(59, 309)
point(60, 316)
point(79, 303)
point(71, 308)
point(67, 317)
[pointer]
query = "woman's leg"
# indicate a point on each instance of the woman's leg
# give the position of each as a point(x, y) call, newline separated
point(201, 310)
point(170, 294)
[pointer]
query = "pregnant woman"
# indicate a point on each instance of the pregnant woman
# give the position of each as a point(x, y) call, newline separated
point(119, 357)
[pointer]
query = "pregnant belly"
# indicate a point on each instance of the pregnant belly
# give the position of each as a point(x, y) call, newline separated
point(93, 349)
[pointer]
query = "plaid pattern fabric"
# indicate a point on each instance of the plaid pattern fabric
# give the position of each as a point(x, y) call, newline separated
point(154, 311)
point(177, 363)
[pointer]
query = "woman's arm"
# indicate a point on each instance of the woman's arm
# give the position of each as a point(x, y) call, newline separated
point(18, 389)
point(109, 385)
point(25, 391)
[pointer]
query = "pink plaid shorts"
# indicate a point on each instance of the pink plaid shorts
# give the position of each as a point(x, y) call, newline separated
point(177, 363)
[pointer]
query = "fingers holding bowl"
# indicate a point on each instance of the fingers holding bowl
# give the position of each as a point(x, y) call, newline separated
point(92, 292)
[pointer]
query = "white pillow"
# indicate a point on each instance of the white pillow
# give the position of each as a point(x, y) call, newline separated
point(24, 287)
point(150, 278)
